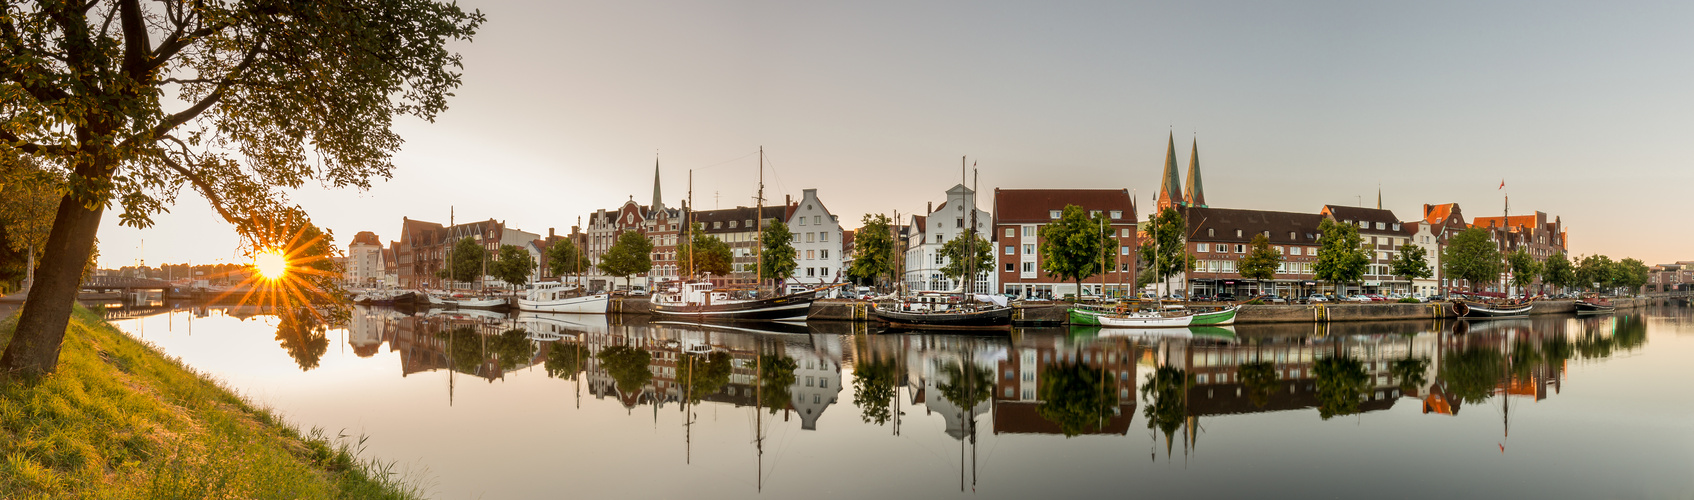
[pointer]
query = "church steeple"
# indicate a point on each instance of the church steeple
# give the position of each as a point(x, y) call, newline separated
point(657, 203)
point(1196, 189)
point(1170, 188)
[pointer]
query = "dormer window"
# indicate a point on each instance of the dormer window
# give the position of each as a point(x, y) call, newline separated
point(1117, 214)
point(732, 224)
point(717, 224)
point(1293, 236)
point(1238, 233)
point(1396, 226)
point(1053, 213)
point(1364, 225)
point(1379, 226)
point(1093, 213)
point(1210, 232)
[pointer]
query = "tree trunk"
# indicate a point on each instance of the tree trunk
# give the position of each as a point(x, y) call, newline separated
point(34, 349)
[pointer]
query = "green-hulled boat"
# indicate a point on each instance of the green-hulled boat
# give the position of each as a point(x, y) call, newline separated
point(1167, 318)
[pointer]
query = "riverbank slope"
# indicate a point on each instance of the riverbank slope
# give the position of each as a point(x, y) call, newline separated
point(120, 420)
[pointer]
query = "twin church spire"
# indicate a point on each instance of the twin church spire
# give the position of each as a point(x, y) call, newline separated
point(1170, 187)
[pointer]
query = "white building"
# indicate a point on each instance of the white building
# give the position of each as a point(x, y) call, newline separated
point(1424, 236)
point(929, 232)
point(817, 242)
point(365, 266)
point(817, 379)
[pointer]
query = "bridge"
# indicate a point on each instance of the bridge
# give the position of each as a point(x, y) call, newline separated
point(111, 283)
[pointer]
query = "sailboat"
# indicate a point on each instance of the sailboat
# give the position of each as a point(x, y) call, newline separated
point(700, 300)
point(559, 298)
point(940, 310)
point(1159, 316)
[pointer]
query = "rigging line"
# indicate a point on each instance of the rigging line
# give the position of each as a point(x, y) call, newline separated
point(725, 162)
point(779, 185)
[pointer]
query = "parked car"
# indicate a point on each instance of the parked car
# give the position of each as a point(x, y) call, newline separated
point(1316, 299)
point(1272, 299)
point(1359, 299)
point(1376, 298)
point(1225, 297)
point(1203, 297)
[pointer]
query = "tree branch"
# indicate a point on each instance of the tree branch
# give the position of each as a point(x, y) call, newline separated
point(200, 184)
point(136, 44)
point(33, 148)
point(181, 117)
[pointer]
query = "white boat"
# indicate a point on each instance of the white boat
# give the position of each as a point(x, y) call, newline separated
point(555, 298)
point(476, 303)
point(1167, 318)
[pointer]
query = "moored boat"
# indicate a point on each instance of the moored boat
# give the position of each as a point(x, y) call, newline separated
point(1594, 307)
point(960, 318)
point(1210, 333)
point(553, 298)
point(1169, 317)
point(699, 301)
point(1483, 310)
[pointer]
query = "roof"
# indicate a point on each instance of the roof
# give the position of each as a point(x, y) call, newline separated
point(367, 238)
point(1225, 221)
point(1170, 184)
point(1435, 214)
point(1517, 221)
point(1014, 206)
point(1362, 214)
point(418, 233)
point(1196, 189)
point(738, 215)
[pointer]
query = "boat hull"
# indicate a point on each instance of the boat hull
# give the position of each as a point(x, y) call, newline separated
point(997, 318)
point(1086, 317)
point(1485, 311)
point(787, 307)
point(484, 304)
point(590, 304)
point(1593, 308)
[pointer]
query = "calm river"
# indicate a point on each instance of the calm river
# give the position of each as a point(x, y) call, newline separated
point(557, 406)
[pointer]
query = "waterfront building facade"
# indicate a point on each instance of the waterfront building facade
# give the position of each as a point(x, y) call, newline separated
point(1382, 234)
point(939, 224)
point(1220, 237)
point(739, 228)
point(817, 242)
point(1021, 213)
point(365, 267)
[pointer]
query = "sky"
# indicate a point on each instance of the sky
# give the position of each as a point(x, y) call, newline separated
point(1583, 110)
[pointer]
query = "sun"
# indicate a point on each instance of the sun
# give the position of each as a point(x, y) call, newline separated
point(271, 265)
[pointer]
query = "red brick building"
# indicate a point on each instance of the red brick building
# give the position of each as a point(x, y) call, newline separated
point(1019, 215)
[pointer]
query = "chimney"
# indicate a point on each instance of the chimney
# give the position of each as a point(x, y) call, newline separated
point(787, 199)
point(549, 233)
point(930, 210)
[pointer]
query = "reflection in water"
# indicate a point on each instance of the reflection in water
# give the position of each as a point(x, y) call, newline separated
point(1042, 382)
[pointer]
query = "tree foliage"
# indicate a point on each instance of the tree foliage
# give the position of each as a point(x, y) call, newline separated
point(1162, 254)
point(241, 101)
point(874, 381)
point(1261, 261)
point(465, 263)
point(704, 374)
point(966, 385)
point(563, 258)
point(1165, 396)
point(1411, 262)
point(1596, 272)
point(1525, 269)
point(955, 251)
point(514, 265)
point(1260, 379)
point(627, 366)
point(1341, 259)
point(873, 251)
point(1558, 271)
point(778, 258)
point(776, 375)
point(704, 254)
point(1409, 373)
point(302, 333)
point(1632, 274)
point(1075, 246)
point(631, 254)
point(512, 348)
point(564, 360)
point(1472, 256)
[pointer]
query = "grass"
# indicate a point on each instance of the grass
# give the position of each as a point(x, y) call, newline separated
point(119, 420)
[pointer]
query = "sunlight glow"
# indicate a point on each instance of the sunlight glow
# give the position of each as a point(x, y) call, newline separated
point(271, 265)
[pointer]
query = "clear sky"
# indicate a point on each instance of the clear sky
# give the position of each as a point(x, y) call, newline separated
point(1584, 109)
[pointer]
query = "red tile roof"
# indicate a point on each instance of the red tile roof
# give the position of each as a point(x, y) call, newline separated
point(1014, 206)
point(367, 238)
point(1435, 214)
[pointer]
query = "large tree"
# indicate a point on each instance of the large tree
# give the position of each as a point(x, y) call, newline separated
point(704, 254)
point(873, 251)
point(564, 258)
point(1162, 254)
point(239, 100)
point(957, 251)
point(1411, 262)
point(464, 264)
point(1341, 259)
point(27, 202)
point(1595, 272)
point(1261, 261)
point(513, 266)
point(1525, 269)
point(1632, 274)
point(630, 255)
point(1075, 246)
point(778, 257)
point(1559, 272)
point(1472, 256)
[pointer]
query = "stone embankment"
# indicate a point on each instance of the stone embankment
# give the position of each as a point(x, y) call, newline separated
point(1054, 313)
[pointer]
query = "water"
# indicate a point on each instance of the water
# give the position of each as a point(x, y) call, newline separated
point(1549, 407)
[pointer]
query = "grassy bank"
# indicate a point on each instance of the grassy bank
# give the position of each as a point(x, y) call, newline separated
point(120, 420)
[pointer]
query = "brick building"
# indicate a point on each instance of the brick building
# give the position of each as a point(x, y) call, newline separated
point(1220, 237)
point(1383, 234)
point(1019, 216)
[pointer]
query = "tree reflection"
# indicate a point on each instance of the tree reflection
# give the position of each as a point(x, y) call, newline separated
point(1165, 396)
point(776, 374)
point(465, 351)
point(704, 375)
point(564, 360)
point(1472, 374)
point(303, 334)
point(512, 348)
point(1341, 382)
point(627, 366)
point(873, 389)
point(1074, 396)
point(1409, 373)
point(1260, 379)
point(967, 385)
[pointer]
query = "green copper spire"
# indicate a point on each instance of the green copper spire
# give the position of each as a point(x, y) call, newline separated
point(657, 204)
point(1170, 189)
point(1196, 190)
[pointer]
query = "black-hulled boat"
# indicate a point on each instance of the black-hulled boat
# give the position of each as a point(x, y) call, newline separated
point(1483, 310)
point(936, 311)
point(698, 301)
point(1594, 307)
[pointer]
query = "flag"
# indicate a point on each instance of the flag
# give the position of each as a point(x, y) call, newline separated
point(1502, 184)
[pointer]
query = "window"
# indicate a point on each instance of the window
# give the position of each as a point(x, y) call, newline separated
point(1293, 236)
point(1010, 233)
point(1379, 226)
point(824, 270)
point(732, 224)
point(1028, 231)
point(1364, 225)
point(817, 220)
point(823, 236)
point(1396, 226)
point(1123, 250)
point(749, 223)
point(1093, 213)
point(1117, 214)
point(1053, 214)
point(802, 221)
point(1010, 251)
point(811, 272)
point(823, 254)
point(1209, 232)
point(1294, 250)
point(1029, 249)
point(938, 258)
point(1240, 249)
point(717, 225)
point(958, 223)
point(1009, 267)
point(1123, 233)
point(1279, 250)
point(1238, 233)
point(1202, 248)
point(1029, 267)
point(796, 237)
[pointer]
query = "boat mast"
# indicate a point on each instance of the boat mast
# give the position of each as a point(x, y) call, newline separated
point(759, 215)
point(688, 218)
point(970, 248)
